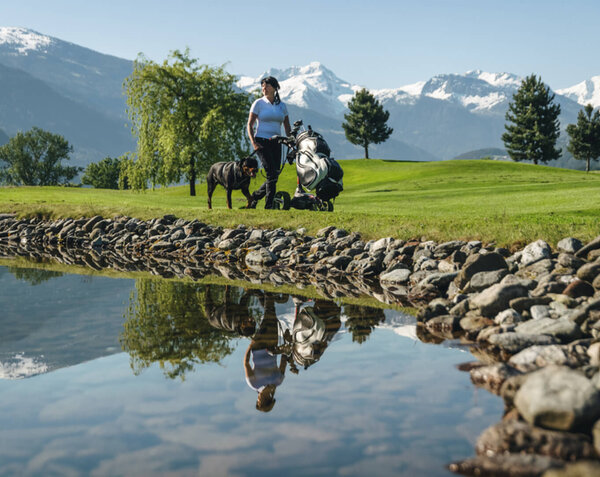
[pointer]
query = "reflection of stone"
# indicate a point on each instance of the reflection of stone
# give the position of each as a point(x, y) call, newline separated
point(20, 366)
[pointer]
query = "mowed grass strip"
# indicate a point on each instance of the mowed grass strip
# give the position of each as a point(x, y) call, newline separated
point(502, 202)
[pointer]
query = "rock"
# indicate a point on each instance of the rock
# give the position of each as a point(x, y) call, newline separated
point(534, 252)
point(594, 353)
point(339, 262)
point(513, 436)
point(260, 258)
point(589, 271)
point(593, 245)
point(578, 288)
point(445, 249)
point(496, 298)
point(493, 376)
point(538, 312)
point(584, 468)
point(537, 270)
point(508, 317)
point(563, 328)
point(324, 232)
point(569, 245)
point(534, 357)
point(381, 244)
point(279, 245)
point(506, 465)
point(569, 260)
point(525, 303)
point(557, 397)
point(513, 342)
point(482, 280)
point(596, 283)
point(395, 276)
point(479, 263)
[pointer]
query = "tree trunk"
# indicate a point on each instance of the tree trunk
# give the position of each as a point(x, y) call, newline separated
point(192, 181)
point(366, 152)
point(587, 167)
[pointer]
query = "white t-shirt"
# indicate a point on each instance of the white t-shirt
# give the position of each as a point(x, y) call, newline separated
point(270, 117)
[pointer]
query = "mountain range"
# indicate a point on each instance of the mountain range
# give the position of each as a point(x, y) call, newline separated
point(77, 92)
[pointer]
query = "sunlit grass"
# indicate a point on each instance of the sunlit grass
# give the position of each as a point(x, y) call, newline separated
point(503, 202)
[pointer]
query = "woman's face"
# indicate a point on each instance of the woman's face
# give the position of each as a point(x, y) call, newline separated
point(267, 90)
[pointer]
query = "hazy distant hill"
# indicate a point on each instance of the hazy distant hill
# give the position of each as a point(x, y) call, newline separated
point(26, 102)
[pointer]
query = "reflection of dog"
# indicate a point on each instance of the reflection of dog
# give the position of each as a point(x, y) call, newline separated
point(231, 175)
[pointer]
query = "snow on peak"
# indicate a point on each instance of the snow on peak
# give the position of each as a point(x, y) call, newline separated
point(586, 92)
point(19, 367)
point(311, 86)
point(24, 40)
point(502, 80)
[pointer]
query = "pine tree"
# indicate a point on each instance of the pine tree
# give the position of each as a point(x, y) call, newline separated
point(535, 126)
point(584, 136)
point(366, 122)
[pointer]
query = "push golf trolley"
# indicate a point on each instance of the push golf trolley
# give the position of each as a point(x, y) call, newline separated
point(315, 169)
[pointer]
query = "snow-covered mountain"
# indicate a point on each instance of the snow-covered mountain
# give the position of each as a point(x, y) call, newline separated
point(444, 116)
point(437, 118)
point(586, 92)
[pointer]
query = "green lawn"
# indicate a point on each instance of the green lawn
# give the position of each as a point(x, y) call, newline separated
point(505, 202)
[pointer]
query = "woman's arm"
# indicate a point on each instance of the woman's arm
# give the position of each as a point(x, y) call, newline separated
point(251, 120)
point(286, 126)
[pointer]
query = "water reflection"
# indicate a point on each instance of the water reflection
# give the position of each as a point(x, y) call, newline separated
point(351, 391)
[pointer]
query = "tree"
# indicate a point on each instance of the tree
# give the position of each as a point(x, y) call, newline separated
point(103, 174)
point(366, 122)
point(185, 117)
point(584, 136)
point(535, 126)
point(34, 158)
point(165, 323)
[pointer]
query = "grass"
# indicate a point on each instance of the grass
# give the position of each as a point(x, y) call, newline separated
point(502, 202)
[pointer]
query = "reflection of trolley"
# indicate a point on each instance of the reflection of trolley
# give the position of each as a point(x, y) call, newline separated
point(314, 328)
point(315, 168)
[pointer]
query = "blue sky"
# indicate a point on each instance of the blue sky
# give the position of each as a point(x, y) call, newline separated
point(377, 43)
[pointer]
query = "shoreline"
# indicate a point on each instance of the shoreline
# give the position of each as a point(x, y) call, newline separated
point(531, 318)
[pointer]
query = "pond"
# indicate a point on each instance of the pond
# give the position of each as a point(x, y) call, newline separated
point(149, 376)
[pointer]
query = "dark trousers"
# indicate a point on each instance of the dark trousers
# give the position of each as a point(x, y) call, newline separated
point(270, 157)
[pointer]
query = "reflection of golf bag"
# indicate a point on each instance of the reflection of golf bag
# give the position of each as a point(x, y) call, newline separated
point(314, 327)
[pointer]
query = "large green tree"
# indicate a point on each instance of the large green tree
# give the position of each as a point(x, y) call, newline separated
point(366, 123)
point(103, 174)
point(533, 126)
point(584, 137)
point(185, 117)
point(35, 158)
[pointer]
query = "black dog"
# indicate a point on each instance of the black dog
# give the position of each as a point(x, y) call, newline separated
point(231, 175)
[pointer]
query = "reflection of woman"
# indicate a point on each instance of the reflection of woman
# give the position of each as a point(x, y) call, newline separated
point(270, 113)
point(264, 374)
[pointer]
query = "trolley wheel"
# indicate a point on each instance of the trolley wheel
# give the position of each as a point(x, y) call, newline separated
point(282, 200)
point(329, 206)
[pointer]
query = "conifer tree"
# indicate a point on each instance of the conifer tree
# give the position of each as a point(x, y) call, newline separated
point(584, 136)
point(366, 122)
point(533, 123)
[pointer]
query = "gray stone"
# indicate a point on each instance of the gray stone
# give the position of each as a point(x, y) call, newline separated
point(381, 244)
point(534, 252)
point(593, 245)
point(260, 258)
point(589, 271)
point(483, 280)
point(538, 312)
point(514, 436)
point(570, 261)
point(563, 328)
point(395, 276)
point(279, 245)
point(534, 357)
point(557, 397)
point(504, 465)
point(513, 342)
point(479, 263)
point(569, 245)
point(582, 468)
point(497, 298)
point(493, 376)
point(508, 317)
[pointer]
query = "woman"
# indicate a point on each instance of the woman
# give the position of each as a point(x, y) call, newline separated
point(269, 113)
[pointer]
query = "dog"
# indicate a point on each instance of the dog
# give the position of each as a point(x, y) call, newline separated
point(233, 175)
